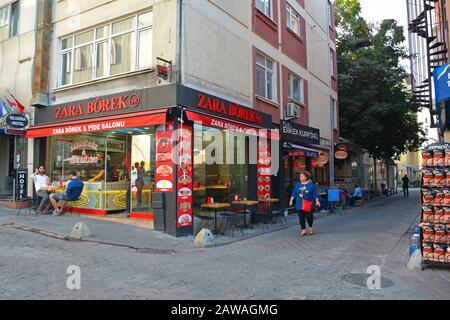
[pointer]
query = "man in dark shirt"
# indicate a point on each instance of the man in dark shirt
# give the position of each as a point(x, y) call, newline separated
point(405, 186)
point(73, 192)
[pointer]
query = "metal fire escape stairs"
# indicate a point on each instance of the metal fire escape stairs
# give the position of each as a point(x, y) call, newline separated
point(436, 54)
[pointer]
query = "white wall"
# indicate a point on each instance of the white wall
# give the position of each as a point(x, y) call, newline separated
point(217, 53)
point(73, 16)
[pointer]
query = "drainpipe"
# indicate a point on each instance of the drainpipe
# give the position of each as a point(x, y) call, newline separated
point(180, 43)
point(42, 53)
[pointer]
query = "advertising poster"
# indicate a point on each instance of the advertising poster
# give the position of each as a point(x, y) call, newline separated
point(264, 178)
point(164, 164)
point(185, 184)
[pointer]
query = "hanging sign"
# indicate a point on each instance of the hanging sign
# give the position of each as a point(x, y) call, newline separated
point(441, 77)
point(185, 185)
point(164, 163)
point(21, 183)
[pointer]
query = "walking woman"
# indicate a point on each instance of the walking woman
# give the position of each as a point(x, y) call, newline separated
point(305, 194)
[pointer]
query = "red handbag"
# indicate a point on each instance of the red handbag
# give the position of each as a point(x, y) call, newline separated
point(307, 206)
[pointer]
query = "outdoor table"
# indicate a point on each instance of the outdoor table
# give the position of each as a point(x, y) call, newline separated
point(246, 204)
point(271, 200)
point(219, 188)
point(215, 207)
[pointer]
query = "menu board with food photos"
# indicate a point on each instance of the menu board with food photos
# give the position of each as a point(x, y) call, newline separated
point(263, 176)
point(435, 194)
point(164, 163)
point(185, 184)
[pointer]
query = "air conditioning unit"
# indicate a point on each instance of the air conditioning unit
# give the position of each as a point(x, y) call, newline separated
point(292, 111)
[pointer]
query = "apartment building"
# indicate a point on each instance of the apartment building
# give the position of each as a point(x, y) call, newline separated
point(17, 61)
point(123, 76)
point(429, 47)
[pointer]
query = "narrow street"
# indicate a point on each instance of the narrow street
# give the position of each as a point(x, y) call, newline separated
point(278, 265)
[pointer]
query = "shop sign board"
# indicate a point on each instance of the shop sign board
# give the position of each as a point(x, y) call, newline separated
point(97, 106)
point(442, 83)
point(21, 184)
point(164, 163)
point(341, 151)
point(215, 106)
point(106, 125)
point(18, 121)
point(263, 175)
point(297, 133)
point(322, 160)
point(341, 155)
point(185, 184)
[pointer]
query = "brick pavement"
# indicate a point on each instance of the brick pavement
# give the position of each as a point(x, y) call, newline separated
point(277, 265)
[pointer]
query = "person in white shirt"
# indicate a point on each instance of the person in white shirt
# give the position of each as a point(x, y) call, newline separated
point(40, 180)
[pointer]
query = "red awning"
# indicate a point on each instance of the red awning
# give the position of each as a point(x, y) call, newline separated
point(138, 119)
point(224, 124)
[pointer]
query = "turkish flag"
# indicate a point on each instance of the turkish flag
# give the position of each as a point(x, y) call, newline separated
point(17, 104)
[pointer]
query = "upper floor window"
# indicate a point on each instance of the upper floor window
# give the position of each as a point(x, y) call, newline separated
point(9, 20)
point(335, 114)
point(296, 88)
point(265, 78)
point(293, 20)
point(265, 6)
point(332, 70)
point(111, 49)
point(330, 14)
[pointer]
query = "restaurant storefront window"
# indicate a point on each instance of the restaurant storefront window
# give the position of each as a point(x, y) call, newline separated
point(220, 165)
point(117, 168)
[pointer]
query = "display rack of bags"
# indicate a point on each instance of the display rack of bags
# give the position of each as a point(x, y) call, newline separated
point(435, 200)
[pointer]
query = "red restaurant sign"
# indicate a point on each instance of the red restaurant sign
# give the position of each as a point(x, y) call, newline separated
point(97, 106)
point(232, 110)
point(99, 125)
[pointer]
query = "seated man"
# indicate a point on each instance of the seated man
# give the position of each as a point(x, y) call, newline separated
point(357, 195)
point(73, 192)
point(41, 180)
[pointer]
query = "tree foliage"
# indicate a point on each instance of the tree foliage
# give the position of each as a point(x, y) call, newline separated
point(376, 109)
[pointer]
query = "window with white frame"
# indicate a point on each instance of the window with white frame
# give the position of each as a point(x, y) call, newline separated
point(9, 20)
point(330, 14)
point(296, 88)
point(335, 113)
point(265, 6)
point(265, 78)
point(115, 48)
point(293, 20)
point(332, 71)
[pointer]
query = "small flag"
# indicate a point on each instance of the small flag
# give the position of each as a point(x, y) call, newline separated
point(18, 104)
point(9, 108)
point(3, 108)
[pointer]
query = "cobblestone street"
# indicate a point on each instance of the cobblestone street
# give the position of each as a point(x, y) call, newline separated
point(277, 265)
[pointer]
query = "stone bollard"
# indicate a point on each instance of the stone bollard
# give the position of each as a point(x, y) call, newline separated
point(80, 230)
point(204, 238)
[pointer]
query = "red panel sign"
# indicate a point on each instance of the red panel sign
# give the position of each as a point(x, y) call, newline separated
point(263, 176)
point(185, 185)
point(95, 126)
point(97, 106)
point(164, 162)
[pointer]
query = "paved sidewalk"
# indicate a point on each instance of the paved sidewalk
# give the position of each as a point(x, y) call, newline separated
point(103, 231)
point(116, 232)
point(275, 265)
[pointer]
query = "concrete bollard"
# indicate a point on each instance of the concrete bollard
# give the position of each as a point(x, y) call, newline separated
point(80, 230)
point(204, 238)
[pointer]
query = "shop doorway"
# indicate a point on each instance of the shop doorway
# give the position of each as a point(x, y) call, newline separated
point(292, 166)
point(142, 168)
